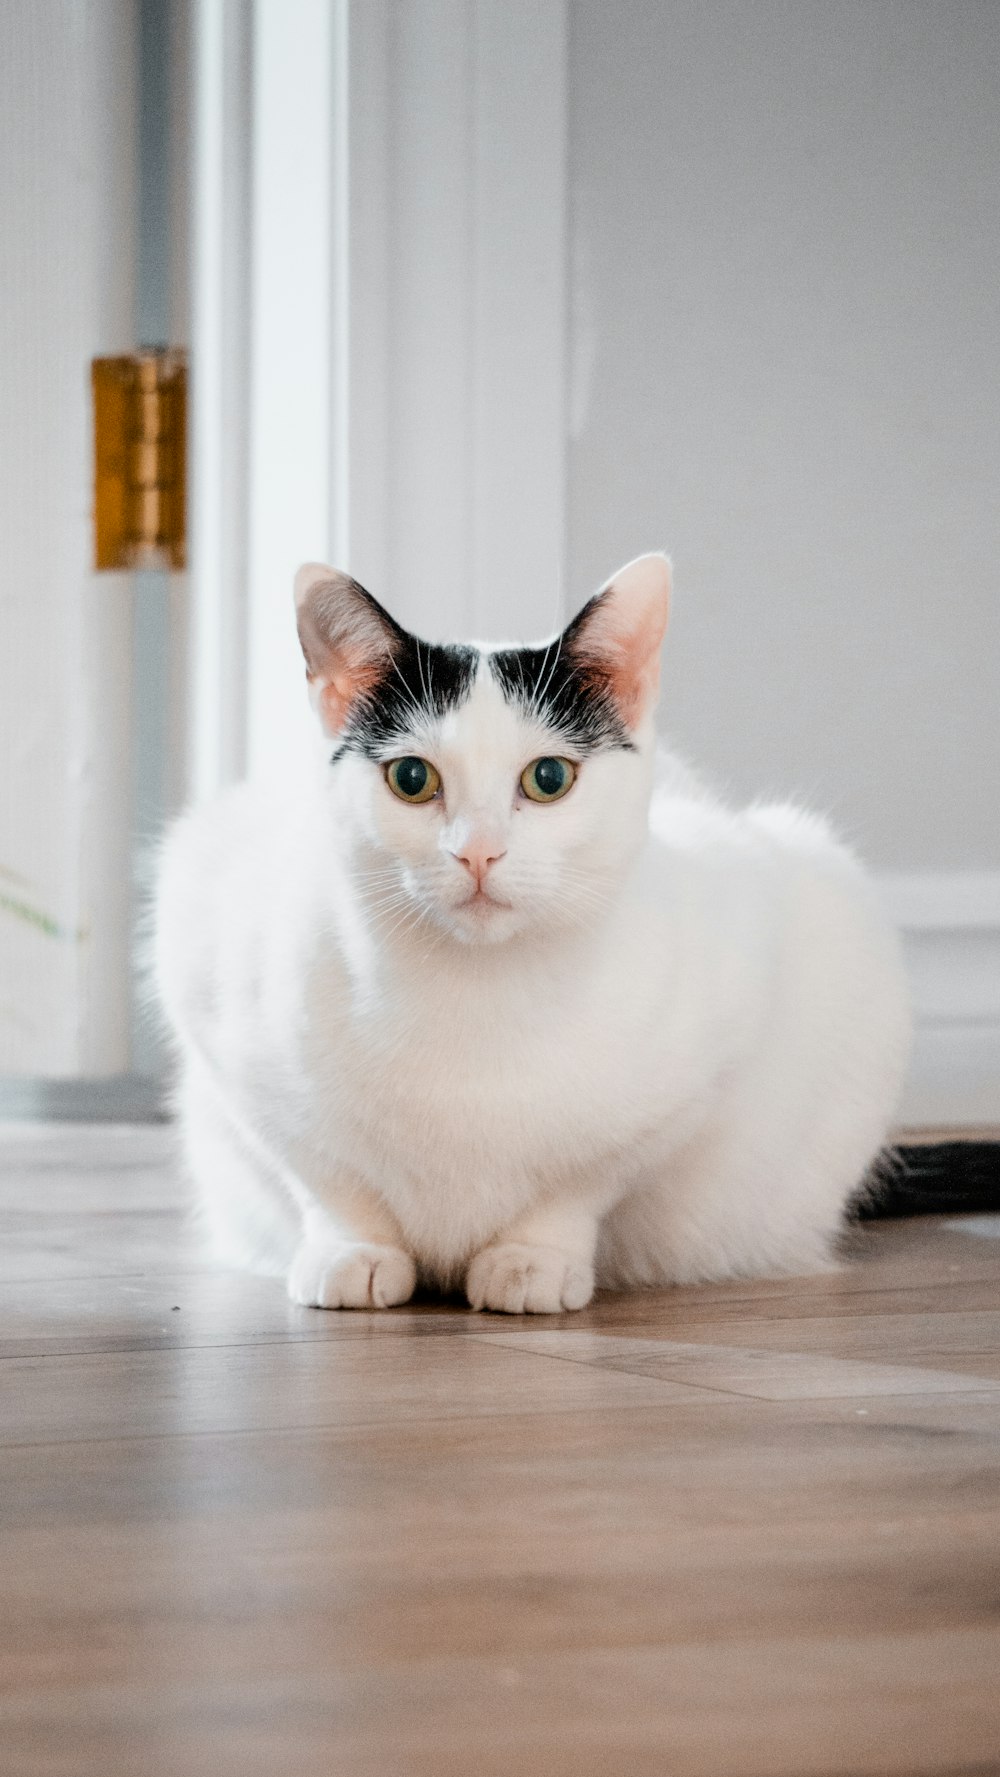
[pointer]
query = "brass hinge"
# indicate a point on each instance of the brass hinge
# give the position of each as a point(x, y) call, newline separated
point(140, 426)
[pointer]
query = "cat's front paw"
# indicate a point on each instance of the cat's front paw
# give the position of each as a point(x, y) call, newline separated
point(514, 1279)
point(350, 1274)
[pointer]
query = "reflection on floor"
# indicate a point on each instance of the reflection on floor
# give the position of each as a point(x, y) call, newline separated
point(748, 1529)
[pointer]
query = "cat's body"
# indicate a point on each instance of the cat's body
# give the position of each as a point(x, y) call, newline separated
point(674, 1056)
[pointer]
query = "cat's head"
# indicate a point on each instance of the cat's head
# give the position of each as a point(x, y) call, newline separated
point(488, 789)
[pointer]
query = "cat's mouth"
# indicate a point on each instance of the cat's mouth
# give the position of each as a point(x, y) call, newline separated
point(480, 901)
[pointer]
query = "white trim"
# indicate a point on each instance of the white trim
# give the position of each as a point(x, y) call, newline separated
point(942, 900)
point(269, 364)
point(954, 975)
point(294, 344)
point(118, 1098)
point(954, 1077)
point(219, 378)
point(949, 923)
point(340, 280)
point(368, 292)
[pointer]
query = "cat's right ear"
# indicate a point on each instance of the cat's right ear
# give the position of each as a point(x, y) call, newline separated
point(348, 641)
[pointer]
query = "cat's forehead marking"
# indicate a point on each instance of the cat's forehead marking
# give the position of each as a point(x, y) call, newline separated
point(421, 684)
point(556, 688)
point(466, 694)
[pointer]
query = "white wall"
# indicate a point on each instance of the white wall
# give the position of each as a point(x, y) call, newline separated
point(67, 193)
point(786, 264)
point(785, 259)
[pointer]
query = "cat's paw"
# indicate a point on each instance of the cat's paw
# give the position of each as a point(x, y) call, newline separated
point(350, 1274)
point(515, 1279)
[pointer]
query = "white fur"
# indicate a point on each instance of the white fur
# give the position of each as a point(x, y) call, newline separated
point(672, 1055)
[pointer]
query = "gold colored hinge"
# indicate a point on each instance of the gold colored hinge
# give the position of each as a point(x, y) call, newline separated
point(140, 427)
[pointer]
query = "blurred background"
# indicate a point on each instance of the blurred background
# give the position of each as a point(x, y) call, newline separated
point(480, 298)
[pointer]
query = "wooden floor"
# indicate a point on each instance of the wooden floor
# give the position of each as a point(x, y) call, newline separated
point(746, 1530)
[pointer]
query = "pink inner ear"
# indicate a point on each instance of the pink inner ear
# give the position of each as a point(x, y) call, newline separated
point(633, 663)
point(336, 691)
point(627, 630)
point(344, 638)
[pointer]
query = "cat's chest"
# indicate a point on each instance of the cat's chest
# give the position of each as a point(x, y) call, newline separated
point(462, 1079)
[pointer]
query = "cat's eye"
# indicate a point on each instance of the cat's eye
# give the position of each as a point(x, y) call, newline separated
point(545, 780)
point(412, 779)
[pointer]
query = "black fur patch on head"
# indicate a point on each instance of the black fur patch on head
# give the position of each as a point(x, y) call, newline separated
point(421, 682)
point(565, 687)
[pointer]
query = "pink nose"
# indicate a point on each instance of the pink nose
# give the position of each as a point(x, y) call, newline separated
point(478, 858)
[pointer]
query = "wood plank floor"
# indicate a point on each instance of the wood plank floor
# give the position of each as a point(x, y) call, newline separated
point(739, 1531)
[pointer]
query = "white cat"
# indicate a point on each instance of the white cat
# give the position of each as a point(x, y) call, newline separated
point(498, 997)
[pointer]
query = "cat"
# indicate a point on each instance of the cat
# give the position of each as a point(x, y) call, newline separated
point(495, 996)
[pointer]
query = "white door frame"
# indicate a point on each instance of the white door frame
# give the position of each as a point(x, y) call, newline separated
point(354, 303)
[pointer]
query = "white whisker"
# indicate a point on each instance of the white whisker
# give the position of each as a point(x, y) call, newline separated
point(420, 666)
point(538, 699)
point(411, 701)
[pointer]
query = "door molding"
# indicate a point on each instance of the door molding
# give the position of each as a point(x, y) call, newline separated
point(356, 297)
point(949, 923)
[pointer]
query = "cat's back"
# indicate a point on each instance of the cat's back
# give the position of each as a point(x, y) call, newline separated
point(771, 841)
point(757, 884)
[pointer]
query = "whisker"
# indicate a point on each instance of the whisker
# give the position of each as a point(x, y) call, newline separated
point(411, 701)
point(539, 697)
point(420, 667)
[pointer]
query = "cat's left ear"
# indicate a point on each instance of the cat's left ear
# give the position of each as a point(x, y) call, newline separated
point(620, 632)
point(348, 640)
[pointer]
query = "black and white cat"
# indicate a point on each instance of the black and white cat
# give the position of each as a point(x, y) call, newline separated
point(496, 996)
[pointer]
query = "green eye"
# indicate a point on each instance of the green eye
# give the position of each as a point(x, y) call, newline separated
point(412, 780)
point(545, 780)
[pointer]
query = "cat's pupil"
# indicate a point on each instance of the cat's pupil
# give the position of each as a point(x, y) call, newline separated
point(550, 775)
point(411, 776)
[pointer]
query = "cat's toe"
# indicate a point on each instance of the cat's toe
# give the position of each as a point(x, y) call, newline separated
point(351, 1275)
point(517, 1279)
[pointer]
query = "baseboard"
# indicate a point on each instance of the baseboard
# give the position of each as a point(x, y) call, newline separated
point(949, 923)
point(122, 1098)
point(954, 1077)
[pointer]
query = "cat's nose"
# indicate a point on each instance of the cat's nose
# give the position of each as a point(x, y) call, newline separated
point(478, 858)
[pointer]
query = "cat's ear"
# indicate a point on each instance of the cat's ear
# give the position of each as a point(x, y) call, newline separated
point(620, 633)
point(348, 640)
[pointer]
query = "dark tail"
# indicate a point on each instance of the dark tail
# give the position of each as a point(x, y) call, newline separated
point(933, 1178)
